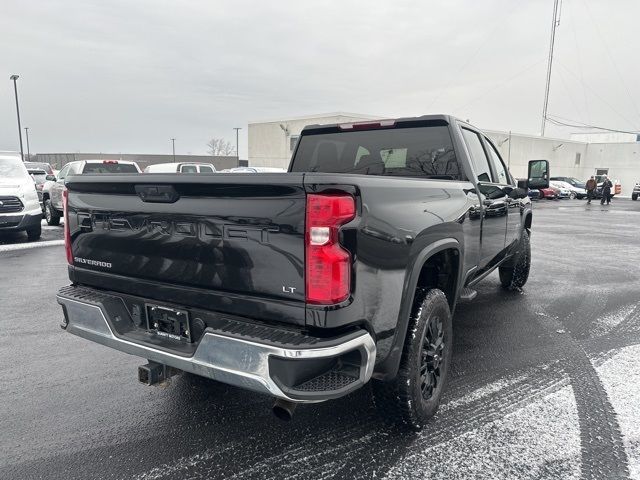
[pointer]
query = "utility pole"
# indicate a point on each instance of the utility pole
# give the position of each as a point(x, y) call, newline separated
point(26, 131)
point(554, 24)
point(173, 146)
point(237, 129)
point(15, 89)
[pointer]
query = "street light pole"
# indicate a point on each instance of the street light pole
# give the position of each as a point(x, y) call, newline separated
point(15, 89)
point(26, 131)
point(173, 145)
point(237, 129)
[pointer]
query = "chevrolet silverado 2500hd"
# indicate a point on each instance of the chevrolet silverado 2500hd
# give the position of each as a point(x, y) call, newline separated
point(309, 284)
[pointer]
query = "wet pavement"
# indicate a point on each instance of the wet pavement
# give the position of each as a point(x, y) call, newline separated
point(544, 383)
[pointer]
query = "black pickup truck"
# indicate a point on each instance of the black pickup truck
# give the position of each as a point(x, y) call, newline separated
point(309, 284)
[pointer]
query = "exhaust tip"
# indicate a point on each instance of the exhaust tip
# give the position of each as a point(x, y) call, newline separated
point(284, 409)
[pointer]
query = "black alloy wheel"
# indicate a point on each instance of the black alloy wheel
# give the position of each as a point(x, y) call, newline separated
point(432, 357)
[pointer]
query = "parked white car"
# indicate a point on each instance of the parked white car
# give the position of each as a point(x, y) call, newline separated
point(573, 192)
point(185, 167)
point(19, 205)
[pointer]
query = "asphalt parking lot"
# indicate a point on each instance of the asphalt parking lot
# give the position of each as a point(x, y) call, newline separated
point(545, 383)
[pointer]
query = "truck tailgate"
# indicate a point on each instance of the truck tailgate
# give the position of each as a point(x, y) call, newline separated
point(236, 235)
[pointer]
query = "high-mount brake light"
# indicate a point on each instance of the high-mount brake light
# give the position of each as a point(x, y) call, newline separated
point(67, 232)
point(327, 264)
point(110, 161)
point(367, 125)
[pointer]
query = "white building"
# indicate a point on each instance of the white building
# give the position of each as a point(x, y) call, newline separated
point(617, 155)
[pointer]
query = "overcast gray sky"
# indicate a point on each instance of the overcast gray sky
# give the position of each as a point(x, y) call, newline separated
point(125, 76)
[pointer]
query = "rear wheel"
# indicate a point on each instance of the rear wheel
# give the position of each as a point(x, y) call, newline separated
point(515, 273)
point(634, 196)
point(414, 395)
point(50, 213)
point(34, 233)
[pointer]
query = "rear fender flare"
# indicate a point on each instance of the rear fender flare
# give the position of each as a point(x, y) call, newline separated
point(388, 368)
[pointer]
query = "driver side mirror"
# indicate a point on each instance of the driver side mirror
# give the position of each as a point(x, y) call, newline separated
point(50, 178)
point(538, 175)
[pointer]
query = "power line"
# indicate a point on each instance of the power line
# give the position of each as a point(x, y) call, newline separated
point(497, 86)
point(577, 124)
point(498, 25)
point(597, 95)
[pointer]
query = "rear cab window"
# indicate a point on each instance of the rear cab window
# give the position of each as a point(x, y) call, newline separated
point(206, 169)
point(411, 151)
point(188, 169)
point(109, 167)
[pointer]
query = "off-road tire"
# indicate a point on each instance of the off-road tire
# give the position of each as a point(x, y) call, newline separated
point(51, 215)
point(401, 400)
point(34, 233)
point(515, 273)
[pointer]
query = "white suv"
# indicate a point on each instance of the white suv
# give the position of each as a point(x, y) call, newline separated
point(19, 205)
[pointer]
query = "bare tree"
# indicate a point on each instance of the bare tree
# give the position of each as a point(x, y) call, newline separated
point(220, 147)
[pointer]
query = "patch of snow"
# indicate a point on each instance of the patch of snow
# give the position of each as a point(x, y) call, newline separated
point(620, 376)
point(607, 323)
point(540, 440)
point(27, 246)
point(481, 392)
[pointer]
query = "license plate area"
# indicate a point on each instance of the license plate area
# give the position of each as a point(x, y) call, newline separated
point(168, 322)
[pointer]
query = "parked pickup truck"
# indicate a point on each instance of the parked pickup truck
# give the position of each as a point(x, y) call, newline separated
point(52, 189)
point(309, 284)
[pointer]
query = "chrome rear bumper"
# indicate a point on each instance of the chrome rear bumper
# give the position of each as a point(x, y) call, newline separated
point(236, 361)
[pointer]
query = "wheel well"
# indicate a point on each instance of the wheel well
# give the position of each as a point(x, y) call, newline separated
point(527, 221)
point(441, 271)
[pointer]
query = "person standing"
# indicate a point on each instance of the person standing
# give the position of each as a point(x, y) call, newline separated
point(591, 186)
point(606, 190)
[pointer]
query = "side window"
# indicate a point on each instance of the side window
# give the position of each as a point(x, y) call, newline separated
point(478, 157)
point(205, 169)
point(63, 173)
point(74, 168)
point(293, 140)
point(188, 169)
point(498, 164)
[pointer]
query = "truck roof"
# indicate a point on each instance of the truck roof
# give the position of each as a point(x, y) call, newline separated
point(446, 119)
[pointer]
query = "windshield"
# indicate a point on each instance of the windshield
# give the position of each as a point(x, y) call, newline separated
point(39, 177)
point(403, 152)
point(11, 168)
point(40, 166)
point(109, 168)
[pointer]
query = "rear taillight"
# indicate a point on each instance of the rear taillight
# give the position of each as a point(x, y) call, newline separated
point(67, 232)
point(328, 265)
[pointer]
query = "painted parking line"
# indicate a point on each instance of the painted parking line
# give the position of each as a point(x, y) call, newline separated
point(27, 246)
